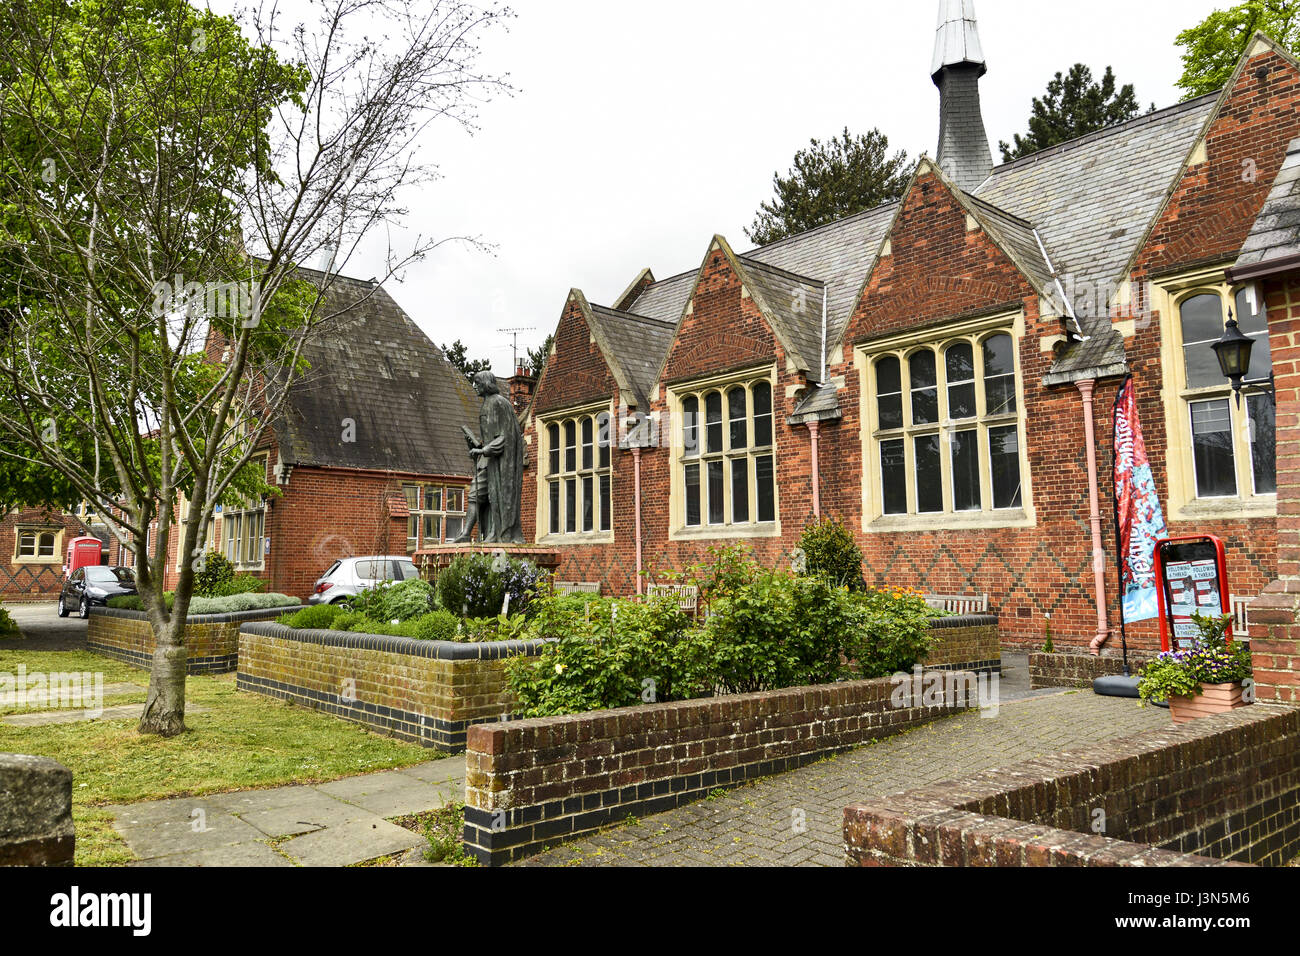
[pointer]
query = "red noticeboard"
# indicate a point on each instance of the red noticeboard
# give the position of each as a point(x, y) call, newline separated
point(1193, 576)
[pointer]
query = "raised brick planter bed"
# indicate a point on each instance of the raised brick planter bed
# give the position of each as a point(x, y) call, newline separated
point(1225, 788)
point(966, 643)
point(533, 783)
point(1076, 668)
point(429, 692)
point(212, 639)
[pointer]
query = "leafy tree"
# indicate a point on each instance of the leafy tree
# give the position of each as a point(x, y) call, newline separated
point(846, 175)
point(1212, 48)
point(456, 355)
point(1074, 106)
point(162, 171)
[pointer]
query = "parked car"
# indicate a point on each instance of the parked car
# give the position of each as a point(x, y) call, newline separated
point(87, 587)
point(348, 577)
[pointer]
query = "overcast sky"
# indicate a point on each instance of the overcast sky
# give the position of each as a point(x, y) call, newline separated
point(641, 129)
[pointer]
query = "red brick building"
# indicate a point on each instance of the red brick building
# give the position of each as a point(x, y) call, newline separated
point(938, 373)
point(33, 546)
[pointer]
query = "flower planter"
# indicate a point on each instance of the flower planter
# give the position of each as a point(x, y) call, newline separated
point(1213, 699)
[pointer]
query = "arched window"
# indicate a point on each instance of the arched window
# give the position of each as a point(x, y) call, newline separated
point(946, 429)
point(578, 481)
point(731, 479)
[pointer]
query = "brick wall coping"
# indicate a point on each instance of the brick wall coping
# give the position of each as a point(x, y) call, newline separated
point(439, 650)
point(253, 615)
point(964, 620)
point(988, 809)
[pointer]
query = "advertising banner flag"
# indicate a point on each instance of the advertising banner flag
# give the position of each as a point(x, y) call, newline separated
point(1139, 520)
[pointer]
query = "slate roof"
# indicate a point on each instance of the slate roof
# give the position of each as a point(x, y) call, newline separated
point(370, 363)
point(1089, 202)
point(1276, 233)
point(638, 345)
point(818, 403)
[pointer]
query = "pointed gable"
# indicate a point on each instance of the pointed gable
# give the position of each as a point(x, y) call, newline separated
point(578, 371)
point(947, 255)
point(1229, 173)
point(743, 312)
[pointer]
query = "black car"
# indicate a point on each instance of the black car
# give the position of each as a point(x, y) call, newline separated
point(94, 585)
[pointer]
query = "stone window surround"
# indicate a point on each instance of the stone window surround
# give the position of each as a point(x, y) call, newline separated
point(38, 531)
point(676, 396)
point(938, 338)
point(545, 477)
point(1167, 296)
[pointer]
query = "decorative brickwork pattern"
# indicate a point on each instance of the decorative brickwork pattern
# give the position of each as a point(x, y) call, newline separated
point(1219, 789)
point(532, 783)
point(429, 692)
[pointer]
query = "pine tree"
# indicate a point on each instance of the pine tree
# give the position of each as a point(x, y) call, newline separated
point(1074, 106)
point(847, 175)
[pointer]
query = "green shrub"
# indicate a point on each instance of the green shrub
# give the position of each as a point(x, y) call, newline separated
point(214, 576)
point(404, 600)
point(316, 617)
point(604, 653)
point(827, 550)
point(439, 625)
point(897, 633)
point(7, 626)
point(476, 585)
point(243, 584)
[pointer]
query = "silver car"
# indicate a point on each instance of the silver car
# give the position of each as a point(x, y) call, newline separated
point(350, 576)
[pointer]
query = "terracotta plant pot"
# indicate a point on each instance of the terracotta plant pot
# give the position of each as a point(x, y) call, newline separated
point(1214, 699)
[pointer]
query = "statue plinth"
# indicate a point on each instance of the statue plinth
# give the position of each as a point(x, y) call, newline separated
point(434, 560)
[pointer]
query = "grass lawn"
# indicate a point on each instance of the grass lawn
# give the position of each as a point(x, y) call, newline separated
point(243, 741)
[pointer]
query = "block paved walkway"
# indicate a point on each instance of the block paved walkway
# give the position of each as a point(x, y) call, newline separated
point(323, 824)
point(796, 818)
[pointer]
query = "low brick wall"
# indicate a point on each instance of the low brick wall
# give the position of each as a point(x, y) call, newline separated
point(1223, 788)
point(966, 643)
point(35, 812)
point(533, 783)
point(211, 639)
point(429, 692)
point(1077, 668)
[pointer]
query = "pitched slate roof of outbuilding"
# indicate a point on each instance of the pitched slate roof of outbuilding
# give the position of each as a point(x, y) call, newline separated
point(371, 364)
point(1276, 233)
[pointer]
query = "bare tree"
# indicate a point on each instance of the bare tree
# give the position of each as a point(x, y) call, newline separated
point(163, 173)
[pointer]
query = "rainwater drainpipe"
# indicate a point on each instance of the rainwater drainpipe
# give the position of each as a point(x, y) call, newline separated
point(636, 496)
point(813, 428)
point(1086, 390)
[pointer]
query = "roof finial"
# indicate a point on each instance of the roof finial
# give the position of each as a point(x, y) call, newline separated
point(957, 39)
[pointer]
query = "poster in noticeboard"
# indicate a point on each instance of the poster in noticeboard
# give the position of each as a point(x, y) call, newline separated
point(1193, 577)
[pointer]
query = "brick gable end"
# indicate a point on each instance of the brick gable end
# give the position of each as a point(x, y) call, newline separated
point(578, 373)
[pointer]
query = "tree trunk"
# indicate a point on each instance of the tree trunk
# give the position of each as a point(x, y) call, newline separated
point(164, 709)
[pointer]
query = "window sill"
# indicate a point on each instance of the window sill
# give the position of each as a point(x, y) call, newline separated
point(1019, 518)
point(40, 561)
point(1226, 508)
point(771, 529)
point(577, 539)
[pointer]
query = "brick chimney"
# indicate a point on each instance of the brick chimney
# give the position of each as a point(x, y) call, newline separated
point(522, 385)
point(964, 153)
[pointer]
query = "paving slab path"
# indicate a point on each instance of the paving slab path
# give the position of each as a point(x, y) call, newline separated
point(325, 824)
point(796, 818)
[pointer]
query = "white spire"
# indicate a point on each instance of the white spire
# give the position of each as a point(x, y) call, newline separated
point(957, 39)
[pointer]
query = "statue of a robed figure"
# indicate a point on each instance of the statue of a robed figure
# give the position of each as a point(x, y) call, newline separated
point(498, 455)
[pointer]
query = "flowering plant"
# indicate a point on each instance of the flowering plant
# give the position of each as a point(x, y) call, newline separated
point(1211, 661)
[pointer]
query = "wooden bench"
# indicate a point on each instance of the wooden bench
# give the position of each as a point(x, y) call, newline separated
point(687, 596)
point(577, 587)
point(959, 603)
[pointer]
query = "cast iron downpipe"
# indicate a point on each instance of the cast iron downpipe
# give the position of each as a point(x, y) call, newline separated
point(636, 503)
point(813, 429)
point(1086, 390)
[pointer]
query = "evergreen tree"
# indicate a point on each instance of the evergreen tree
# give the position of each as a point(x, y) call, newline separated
point(468, 367)
point(1074, 106)
point(847, 175)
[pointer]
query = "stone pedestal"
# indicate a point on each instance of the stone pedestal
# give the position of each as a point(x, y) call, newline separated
point(434, 560)
point(35, 812)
